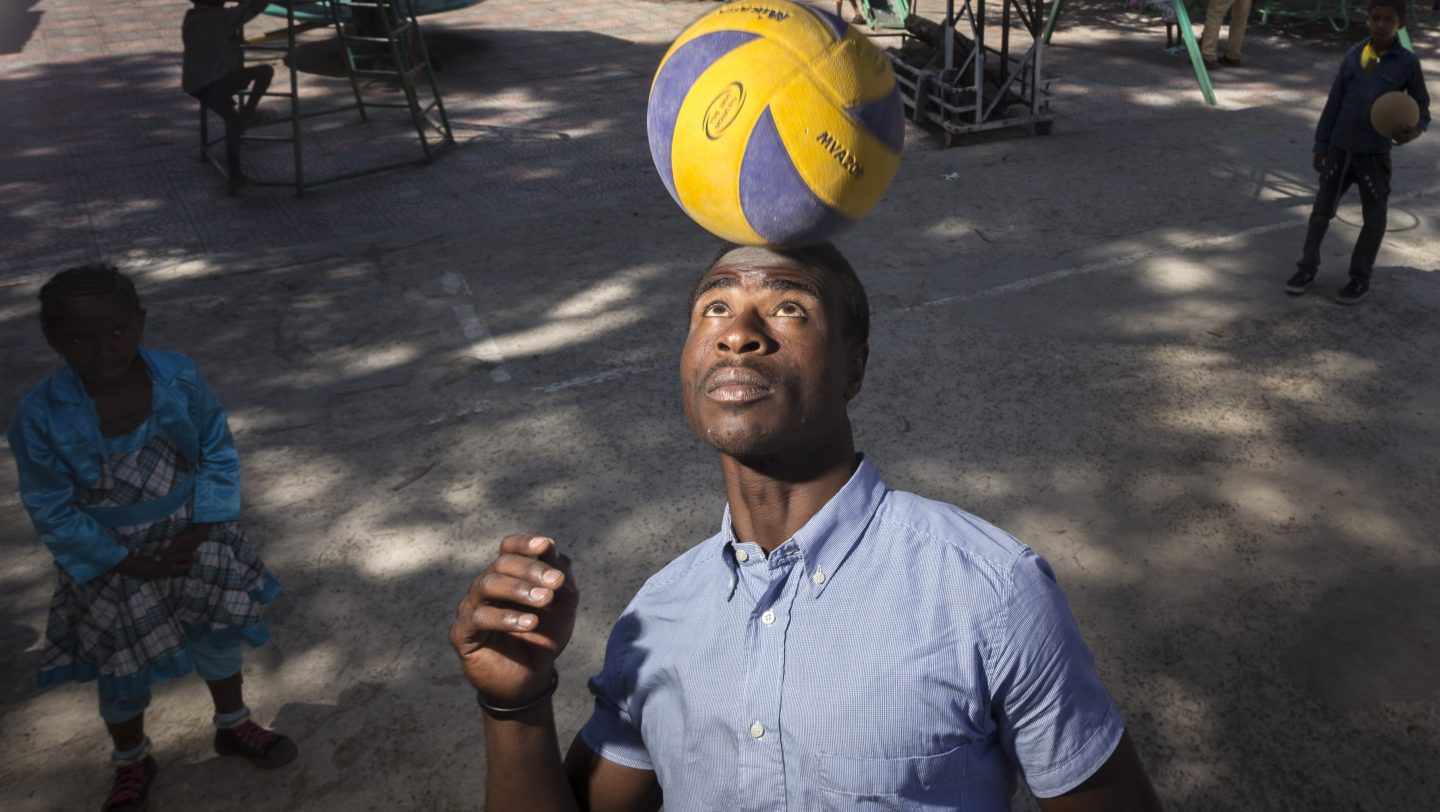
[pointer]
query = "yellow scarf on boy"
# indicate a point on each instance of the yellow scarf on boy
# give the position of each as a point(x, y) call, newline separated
point(1368, 57)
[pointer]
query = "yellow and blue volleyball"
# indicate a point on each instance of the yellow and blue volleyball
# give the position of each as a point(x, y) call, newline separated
point(773, 123)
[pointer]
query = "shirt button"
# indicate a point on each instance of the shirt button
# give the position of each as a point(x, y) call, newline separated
point(767, 618)
point(818, 577)
point(757, 730)
point(742, 556)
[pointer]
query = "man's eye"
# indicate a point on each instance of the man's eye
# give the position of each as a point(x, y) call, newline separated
point(78, 340)
point(790, 309)
point(715, 309)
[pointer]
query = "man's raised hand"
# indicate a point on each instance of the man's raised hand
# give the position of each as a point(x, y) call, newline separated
point(516, 619)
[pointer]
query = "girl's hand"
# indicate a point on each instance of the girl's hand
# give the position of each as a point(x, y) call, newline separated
point(175, 559)
point(1319, 162)
point(187, 542)
point(149, 568)
point(1405, 135)
point(516, 620)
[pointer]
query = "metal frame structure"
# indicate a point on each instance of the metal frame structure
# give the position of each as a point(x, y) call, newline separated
point(400, 42)
point(954, 97)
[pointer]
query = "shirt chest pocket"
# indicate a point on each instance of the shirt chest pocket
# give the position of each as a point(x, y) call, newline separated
point(1393, 76)
point(892, 784)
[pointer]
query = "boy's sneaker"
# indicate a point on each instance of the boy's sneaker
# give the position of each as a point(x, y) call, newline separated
point(264, 748)
point(1297, 284)
point(1353, 291)
point(131, 790)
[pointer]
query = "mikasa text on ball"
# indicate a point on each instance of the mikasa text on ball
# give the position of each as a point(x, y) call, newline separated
point(772, 123)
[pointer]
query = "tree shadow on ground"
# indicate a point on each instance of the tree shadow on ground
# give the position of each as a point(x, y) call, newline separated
point(1228, 483)
point(116, 172)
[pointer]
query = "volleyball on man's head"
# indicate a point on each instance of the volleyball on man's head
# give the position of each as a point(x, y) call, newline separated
point(1394, 111)
point(773, 123)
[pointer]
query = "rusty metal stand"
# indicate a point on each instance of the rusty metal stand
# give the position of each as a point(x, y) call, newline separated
point(957, 97)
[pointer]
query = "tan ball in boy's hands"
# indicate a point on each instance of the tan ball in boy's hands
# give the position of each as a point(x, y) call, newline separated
point(1393, 113)
point(516, 619)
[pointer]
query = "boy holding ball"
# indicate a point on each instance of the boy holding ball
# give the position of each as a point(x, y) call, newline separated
point(1349, 150)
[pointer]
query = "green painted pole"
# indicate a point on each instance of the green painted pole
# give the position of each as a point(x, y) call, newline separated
point(1405, 39)
point(1050, 20)
point(1202, 76)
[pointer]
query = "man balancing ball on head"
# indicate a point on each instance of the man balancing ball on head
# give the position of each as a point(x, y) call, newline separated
point(837, 645)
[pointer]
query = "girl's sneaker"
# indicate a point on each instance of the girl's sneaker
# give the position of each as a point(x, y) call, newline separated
point(131, 790)
point(263, 747)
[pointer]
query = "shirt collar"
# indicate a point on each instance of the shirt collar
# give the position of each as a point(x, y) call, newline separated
point(825, 542)
point(68, 387)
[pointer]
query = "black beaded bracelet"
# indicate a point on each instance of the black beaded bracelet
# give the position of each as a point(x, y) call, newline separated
point(510, 713)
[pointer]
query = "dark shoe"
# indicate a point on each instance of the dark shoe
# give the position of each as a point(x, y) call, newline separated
point(131, 790)
point(1297, 284)
point(1353, 291)
point(1210, 65)
point(1228, 62)
point(264, 748)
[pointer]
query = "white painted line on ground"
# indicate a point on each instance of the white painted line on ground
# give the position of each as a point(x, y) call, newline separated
point(481, 342)
point(1130, 259)
point(1113, 262)
point(591, 380)
point(452, 283)
point(482, 406)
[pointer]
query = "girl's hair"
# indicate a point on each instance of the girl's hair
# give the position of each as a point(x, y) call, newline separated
point(100, 279)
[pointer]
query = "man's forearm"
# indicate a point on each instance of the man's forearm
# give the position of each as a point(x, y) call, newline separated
point(523, 769)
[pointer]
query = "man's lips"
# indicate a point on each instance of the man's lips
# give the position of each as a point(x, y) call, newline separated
point(736, 385)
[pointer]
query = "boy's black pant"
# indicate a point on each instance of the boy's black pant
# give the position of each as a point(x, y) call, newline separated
point(1371, 172)
point(219, 98)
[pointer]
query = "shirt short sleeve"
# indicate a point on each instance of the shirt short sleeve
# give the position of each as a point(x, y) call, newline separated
point(1057, 721)
point(611, 732)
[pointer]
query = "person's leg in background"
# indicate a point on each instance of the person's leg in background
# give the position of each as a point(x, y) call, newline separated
point(1235, 39)
point(1372, 175)
point(1210, 35)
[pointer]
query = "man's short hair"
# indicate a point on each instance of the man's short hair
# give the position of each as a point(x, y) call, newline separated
point(1397, 5)
point(826, 258)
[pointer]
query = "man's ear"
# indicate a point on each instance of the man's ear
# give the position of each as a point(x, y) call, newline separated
point(855, 371)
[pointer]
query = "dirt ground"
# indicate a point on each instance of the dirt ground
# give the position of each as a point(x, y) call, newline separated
point(1080, 337)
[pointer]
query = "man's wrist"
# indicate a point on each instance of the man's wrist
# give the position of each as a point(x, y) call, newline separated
point(507, 713)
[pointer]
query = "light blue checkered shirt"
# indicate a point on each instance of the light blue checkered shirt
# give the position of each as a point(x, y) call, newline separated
point(896, 654)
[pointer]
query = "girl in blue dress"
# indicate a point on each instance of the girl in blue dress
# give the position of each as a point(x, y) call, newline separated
point(131, 478)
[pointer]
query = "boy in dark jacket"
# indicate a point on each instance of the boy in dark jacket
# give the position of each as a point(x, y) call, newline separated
point(1348, 150)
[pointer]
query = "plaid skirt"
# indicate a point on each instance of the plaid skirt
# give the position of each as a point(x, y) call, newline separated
point(129, 633)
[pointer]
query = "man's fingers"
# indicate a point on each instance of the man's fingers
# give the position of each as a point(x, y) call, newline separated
point(487, 618)
point(526, 544)
point(537, 572)
point(495, 587)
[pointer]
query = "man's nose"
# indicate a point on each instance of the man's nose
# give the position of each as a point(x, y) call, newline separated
point(744, 334)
